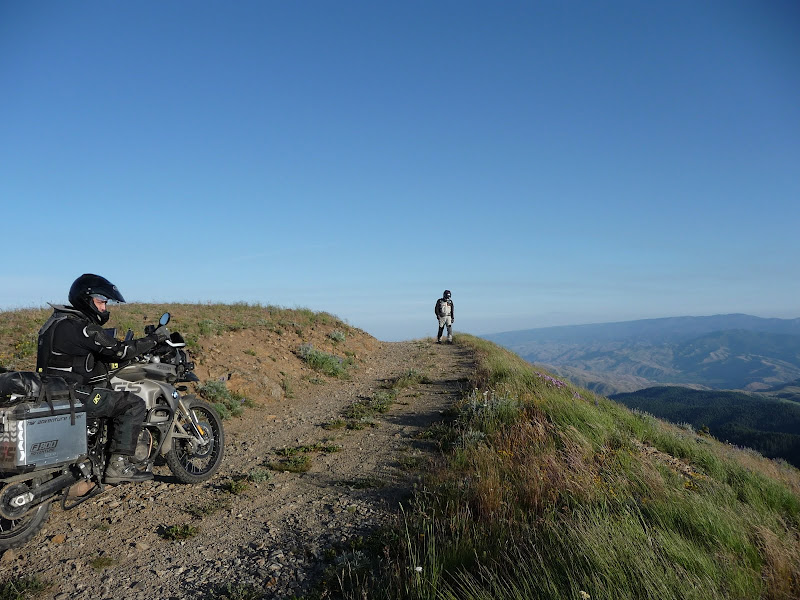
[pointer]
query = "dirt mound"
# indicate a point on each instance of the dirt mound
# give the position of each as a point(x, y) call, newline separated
point(263, 364)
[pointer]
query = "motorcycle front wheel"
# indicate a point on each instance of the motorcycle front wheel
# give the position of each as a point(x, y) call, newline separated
point(192, 461)
point(19, 530)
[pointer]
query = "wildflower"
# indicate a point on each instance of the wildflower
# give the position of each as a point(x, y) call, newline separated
point(418, 569)
point(584, 595)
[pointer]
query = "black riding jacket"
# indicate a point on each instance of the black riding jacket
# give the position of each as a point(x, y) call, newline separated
point(72, 347)
point(439, 310)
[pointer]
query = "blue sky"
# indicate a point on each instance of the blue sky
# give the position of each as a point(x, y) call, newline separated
point(549, 162)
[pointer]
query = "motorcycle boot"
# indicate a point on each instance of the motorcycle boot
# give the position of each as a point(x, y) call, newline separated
point(121, 469)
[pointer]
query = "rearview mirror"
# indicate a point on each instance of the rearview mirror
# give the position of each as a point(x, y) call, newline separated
point(164, 319)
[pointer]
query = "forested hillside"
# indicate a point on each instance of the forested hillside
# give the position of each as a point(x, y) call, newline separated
point(769, 425)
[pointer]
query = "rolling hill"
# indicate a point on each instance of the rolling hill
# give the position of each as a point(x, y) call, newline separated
point(721, 352)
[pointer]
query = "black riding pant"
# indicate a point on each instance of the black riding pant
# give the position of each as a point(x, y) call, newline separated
point(125, 411)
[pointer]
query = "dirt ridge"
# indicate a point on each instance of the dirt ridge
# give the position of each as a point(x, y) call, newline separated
point(275, 536)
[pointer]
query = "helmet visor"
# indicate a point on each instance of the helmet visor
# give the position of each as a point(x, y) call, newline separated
point(103, 298)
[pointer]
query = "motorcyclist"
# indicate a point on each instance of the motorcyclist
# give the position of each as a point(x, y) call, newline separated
point(446, 315)
point(73, 345)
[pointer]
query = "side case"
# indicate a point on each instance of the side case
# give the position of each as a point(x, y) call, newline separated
point(36, 434)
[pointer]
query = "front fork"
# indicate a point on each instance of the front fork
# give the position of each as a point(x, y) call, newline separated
point(191, 429)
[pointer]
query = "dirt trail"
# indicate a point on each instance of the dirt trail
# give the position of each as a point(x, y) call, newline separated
point(272, 536)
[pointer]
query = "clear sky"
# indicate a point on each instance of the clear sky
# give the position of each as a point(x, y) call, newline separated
point(554, 162)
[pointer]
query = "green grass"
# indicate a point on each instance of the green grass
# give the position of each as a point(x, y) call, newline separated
point(17, 588)
point(226, 402)
point(294, 464)
point(298, 459)
point(259, 475)
point(179, 532)
point(546, 491)
point(102, 562)
point(360, 414)
point(324, 362)
point(409, 378)
point(236, 486)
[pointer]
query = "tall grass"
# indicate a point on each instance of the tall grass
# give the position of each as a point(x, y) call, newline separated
point(550, 492)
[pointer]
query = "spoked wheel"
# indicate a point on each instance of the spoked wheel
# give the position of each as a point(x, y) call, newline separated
point(195, 460)
point(17, 526)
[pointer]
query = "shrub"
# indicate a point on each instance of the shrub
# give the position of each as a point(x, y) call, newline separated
point(225, 401)
point(259, 475)
point(294, 464)
point(324, 362)
point(236, 486)
point(337, 336)
point(179, 532)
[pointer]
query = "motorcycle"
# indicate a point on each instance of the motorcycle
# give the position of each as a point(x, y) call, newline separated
point(48, 448)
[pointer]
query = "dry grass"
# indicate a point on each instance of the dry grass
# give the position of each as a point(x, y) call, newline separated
point(550, 491)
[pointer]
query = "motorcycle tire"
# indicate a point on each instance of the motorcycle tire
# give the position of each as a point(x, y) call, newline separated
point(193, 465)
point(17, 532)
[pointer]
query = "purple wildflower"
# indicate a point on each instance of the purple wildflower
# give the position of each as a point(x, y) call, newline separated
point(557, 383)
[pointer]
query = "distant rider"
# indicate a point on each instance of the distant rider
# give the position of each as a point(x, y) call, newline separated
point(445, 313)
point(74, 345)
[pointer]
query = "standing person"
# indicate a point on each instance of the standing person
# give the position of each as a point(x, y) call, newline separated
point(74, 345)
point(446, 314)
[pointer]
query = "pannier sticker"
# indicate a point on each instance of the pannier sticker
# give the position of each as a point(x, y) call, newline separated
point(45, 420)
point(42, 447)
point(21, 442)
point(8, 452)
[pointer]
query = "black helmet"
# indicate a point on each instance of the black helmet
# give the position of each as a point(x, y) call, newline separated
point(446, 295)
point(89, 286)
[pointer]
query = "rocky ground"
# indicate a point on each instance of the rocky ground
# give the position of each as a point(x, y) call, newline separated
point(269, 532)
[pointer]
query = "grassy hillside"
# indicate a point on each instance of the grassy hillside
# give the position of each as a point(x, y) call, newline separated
point(769, 425)
point(544, 490)
point(255, 348)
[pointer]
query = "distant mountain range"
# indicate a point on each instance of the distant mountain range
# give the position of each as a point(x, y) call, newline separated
point(719, 352)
